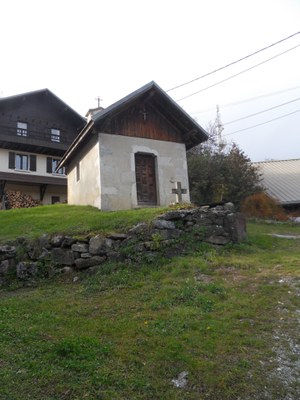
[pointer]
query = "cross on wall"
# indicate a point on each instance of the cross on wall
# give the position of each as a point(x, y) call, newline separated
point(179, 191)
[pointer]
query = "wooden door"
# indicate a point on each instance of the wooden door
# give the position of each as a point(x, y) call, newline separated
point(145, 179)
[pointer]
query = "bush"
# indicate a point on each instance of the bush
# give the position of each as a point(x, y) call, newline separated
point(260, 205)
point(221, 177)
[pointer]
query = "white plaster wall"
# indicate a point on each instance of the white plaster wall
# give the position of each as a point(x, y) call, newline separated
point(41, 164)
point(4, 160)
point(53, 190)
point(87, 190)
point(117, 169)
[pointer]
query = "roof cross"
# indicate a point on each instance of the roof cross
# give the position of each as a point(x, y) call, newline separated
point(98, 100)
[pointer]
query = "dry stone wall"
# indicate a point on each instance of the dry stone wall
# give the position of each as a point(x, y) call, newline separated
point(168, 235)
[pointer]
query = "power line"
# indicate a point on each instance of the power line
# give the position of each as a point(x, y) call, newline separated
point(248, 100)
point(239, 73)
point(234, 62)
point(263, 123)
point(261, 112)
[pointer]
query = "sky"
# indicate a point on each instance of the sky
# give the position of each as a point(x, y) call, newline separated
point(82, 49)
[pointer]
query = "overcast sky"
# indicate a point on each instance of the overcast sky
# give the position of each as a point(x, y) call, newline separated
point(82, 49)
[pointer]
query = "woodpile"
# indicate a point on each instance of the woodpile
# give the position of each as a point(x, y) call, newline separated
point(16, 199)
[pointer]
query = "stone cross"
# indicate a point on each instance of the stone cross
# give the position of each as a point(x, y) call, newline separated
point(179, 192)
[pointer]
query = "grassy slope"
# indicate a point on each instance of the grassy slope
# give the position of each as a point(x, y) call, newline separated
point(128, 331)
point(67, 219)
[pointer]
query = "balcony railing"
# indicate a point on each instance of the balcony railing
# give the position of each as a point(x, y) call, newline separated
point(32, 139)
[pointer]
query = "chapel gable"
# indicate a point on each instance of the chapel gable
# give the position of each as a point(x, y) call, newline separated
point(143, 121)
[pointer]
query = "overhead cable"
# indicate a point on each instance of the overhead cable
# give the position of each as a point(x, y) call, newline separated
point(234, 62)
point(263, 123)
point(261, 112)
point(235, 103)
point(239, 73)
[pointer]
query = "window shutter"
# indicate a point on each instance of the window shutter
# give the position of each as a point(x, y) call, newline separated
point(49, 165)
point(11, 160)
point(32, 165)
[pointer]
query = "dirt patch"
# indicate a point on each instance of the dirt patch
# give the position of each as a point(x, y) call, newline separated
point(285, 365)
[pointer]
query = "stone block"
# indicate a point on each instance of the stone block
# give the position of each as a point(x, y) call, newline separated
point(240, 228)
point(229, 207)
point(97, 245)
point(26, 270)
point(6, 249)
point(7, 267)
point(109, 243)
point(62, 257)
point(85, 255)
point(56, 241)
point(218, 240)
point(163, 224)
point(118, 236)
point(82, 263)
point(175, 215)
point(44, 242)
point(80, 247)
point(140, 228)
point(167, 234)
point(68, 241)
point(217, 230)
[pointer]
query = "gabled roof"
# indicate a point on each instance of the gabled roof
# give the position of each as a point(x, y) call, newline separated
point(171, 110)
point(281, 180)
point(42, 93)
point(192, 132)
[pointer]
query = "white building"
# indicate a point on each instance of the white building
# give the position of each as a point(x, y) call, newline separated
point(133, 153)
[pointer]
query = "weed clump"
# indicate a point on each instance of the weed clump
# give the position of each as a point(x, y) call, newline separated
point(260, 205)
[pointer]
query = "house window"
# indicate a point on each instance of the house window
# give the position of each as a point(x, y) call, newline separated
point(22, 162)
point(55, 135)
point(52, 164)
point(21, 128)
point(77, 172)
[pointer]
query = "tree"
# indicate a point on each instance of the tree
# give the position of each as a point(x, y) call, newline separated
point(220, 172)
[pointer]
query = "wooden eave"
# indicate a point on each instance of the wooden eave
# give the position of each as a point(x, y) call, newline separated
point(33, 179)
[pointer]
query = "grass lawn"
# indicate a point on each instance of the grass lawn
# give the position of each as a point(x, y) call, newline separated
point(228, 317)
point(71, 220)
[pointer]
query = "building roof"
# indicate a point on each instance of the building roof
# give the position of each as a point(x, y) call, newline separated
point(192, 132)
point(281, 180)
point(42, 93)
point(170, 108)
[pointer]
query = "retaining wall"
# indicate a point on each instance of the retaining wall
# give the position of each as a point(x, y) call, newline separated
point(168, 235)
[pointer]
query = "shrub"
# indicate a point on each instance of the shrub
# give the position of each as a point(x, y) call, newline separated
point(260, 205)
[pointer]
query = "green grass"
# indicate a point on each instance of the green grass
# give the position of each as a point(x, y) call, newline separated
point(71, 220)
point(126, 332)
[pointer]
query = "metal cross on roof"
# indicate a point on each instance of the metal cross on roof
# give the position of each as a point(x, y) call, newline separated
point(98, 100)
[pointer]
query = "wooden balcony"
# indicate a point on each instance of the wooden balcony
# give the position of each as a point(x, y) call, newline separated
point(34, 141)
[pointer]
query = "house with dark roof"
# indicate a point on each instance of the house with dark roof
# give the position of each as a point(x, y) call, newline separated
point(133, 153)
point(36, 129)
point(281, 180)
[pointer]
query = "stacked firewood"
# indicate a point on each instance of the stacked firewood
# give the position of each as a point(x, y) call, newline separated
point(16, 199)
